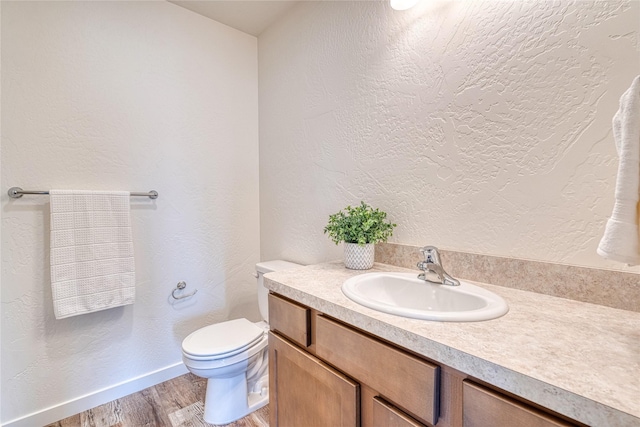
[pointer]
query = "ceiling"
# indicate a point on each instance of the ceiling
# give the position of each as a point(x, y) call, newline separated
point(251, 17)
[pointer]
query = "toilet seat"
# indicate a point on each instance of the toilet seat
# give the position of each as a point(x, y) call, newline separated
point(222, 340)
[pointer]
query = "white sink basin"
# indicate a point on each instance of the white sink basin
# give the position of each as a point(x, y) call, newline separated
point(403, 294)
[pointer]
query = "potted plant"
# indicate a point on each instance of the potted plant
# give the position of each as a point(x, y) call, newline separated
point(360, 228)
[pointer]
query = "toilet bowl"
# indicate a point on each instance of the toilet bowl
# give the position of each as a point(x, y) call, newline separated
point(233, 356)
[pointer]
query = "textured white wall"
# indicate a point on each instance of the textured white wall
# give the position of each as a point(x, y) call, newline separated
point(132, 96)
point(479, 126)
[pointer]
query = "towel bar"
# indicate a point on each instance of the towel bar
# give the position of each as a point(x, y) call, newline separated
point(17, 192)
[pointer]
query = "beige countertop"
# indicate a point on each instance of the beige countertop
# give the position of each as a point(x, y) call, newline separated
point(578, 359)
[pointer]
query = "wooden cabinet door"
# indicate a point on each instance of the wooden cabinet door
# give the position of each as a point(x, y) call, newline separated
point(304, 391)
point(483, 407)
point(385, 415)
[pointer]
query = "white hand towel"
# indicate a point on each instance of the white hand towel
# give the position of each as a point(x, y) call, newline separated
point(621, 240)
point(92, 265)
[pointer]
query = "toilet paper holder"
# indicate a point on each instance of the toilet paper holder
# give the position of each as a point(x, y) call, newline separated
point(180, 286)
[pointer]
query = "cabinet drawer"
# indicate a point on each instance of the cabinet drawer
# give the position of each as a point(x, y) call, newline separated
point(483, 407)
point(290, 319)
point(385, 415)
point(409, 382)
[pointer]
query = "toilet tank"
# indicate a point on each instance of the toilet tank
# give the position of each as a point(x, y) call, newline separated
point(267, 267)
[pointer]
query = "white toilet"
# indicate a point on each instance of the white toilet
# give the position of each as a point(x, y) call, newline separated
point(233, 356)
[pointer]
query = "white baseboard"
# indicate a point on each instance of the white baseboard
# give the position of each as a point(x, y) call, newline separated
point(97, 398)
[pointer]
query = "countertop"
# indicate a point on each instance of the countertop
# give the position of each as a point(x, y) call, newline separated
point(578, 359)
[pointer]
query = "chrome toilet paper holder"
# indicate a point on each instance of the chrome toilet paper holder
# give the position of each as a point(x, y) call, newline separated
point(180, 286)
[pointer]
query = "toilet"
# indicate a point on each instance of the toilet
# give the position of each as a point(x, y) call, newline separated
point(233, 356)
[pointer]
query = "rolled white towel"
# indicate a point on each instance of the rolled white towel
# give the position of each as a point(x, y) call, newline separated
point(621, 239)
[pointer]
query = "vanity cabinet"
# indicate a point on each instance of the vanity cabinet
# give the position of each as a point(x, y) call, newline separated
point(324, 373)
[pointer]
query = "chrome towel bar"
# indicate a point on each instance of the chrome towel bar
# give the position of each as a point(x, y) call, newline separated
point(17, 192)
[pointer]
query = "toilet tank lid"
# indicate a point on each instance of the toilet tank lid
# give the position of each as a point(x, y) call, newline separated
point(275, 265)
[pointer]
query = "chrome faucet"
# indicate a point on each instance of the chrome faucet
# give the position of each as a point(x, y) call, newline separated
point(432, 266)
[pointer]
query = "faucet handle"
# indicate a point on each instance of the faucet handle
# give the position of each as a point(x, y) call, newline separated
point(431, 254)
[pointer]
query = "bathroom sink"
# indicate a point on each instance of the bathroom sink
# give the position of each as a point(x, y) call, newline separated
point(403, 294)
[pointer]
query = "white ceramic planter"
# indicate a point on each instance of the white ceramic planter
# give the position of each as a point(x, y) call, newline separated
point(358, 257)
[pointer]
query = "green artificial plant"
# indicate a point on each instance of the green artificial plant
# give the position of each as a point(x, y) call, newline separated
point(361, 224)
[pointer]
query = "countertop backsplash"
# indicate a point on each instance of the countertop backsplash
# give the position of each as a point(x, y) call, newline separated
point(609, 288)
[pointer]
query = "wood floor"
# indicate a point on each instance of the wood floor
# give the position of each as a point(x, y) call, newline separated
point(175, 403)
